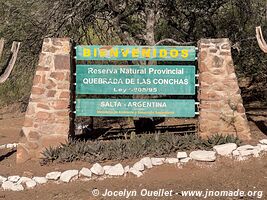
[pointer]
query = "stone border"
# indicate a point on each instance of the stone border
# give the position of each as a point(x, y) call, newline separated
point(17, 183)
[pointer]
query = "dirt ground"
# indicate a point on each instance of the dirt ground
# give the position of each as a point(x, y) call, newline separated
point(222, 175)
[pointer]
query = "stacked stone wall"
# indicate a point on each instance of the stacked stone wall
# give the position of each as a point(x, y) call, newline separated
point(48, 115)
point(221, 105)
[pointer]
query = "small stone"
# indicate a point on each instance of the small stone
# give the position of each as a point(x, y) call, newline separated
point(171, 160)
point(136, 172)
point(256, 153)
point(245, 147)
point(157, 161)
point(40, 180)
point(97, 169)
point(225, 149)
point(85, 172)
point(30, 184)
point(66, 176)
point(263, 141)
point(8, 185)
point(207, 156)
point(15, 145)
point(185, 160)
point(13, 179)
point(262, 147)
point(10, 146)
point(147, 162)
point(236, 153)
point(2, 179)
point(24, 179)
point(53, 175)
point(245, 153)
point(116, 170)
point(139, 166)
point(3, 146)
point(181, 155)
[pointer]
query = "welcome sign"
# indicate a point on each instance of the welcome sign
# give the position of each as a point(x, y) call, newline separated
point(135, 80)
point(163, 53)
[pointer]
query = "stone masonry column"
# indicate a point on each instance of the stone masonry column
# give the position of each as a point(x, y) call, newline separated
point(47, 119)
point(221, 106)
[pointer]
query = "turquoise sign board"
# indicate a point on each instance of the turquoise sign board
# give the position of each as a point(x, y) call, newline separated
point(151, 80)
point(135, 107)
point(157, 53)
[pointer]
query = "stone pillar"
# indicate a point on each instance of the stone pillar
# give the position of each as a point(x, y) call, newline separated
point(47, 119)
point(221, 106)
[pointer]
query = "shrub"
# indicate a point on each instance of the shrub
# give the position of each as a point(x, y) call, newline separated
point(137, 147)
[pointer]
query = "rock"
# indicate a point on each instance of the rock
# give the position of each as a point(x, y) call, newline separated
point(8, 185)
point(97, 169)
point(53, 175)
point(15, 145)
point(185, 160)
point(3, 146)
point(106, 168)
point(256, 153)
point(181, 155)
point(207, 156)
point(147, 162)
point(139, 166)
point(245, 147)
point(225, 149)
point(116, 170)
point(13, 179)
point(30, 184)
point(236, 153)
point(40, 180)
point(66, 176)
point(85, 172)
point(171, 160)
point(262, 147)
point(264, 141)
point(157, 161)
point(245, 153)
point(126, 169)
point(136, 172)
point(2, 179)
point(10, 146)
point(24, 179)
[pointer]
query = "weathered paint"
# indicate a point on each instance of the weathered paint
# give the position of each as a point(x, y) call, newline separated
point(163, 53)
point(115, 79)
point(135, 107)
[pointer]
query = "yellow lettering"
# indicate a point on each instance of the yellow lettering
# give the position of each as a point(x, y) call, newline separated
point(185, 53)
point(163, 53)
point(95, 52)
point(114, 53)
point(174, 53)
point(102, 52)
point(125, 52)
point(146, 53)
point(86, 52)
point(135, 53)
point(154, 53)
